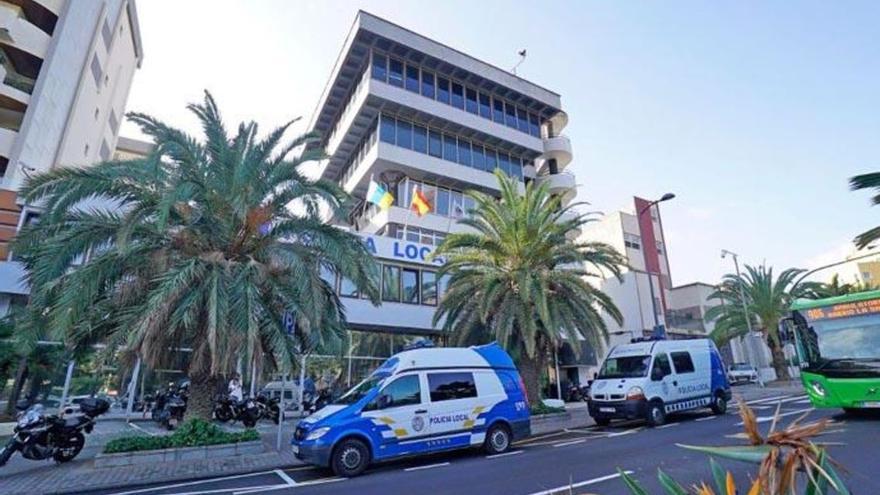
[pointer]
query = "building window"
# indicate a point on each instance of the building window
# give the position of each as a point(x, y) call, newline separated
point(95, 66)
point(522, 120)
point(114, 121)
point(420, 139)
point(457, 95)
point(479, 158)
point(395, 73)
point(632, 241)
point(682, 362)
point(329, 276)
point(429, 288)
point(410, 282)
point(534, 125)
point(390, 283)
point(106, 33)
point(435, 144)
point(491, 160)
point(412, 78)
point(450, 148)
point(485, 106)
point(470, 100)
point(510, 115)
point(105, 151)
point(456, 208)
point(347, 288)
point(442, 203)
point(451, 386)
point(443, 90)
point(380, 67)
point(498, 113)
point(504, 163)
point(86, 150)
point(387, 130)
point(428, 84)
point(464, 152)
point(659, 248)
point(404, 134)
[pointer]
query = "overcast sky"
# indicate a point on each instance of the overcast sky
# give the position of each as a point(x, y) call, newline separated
point(754, 114)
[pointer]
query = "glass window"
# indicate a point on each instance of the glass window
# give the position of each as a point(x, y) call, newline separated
point(443, 89)
point(347, 288)
point(479, 158)
point(390, 283)
point(428, 84)
point(412, 78)
point(661, 367)
point(534, 125)
point(485, 106)
point(498, 112)
point(450, 148)
point(491, 160)
point(457, 95)
point(682, 362)
point(510, 115)
point(451, 386)
point(410, 283)
point(469, 204)
point(443, 284)
point(503, 161)
point(435, 144)
point(402, 197)
point(625, 367)
point(380, 67)
point(443, 202)
point(329, 276)
point(427, 237)
point(516, 168)
point(405, 391)
point(395, 73)
point(456, 207)
point(470, 103)
point(404, 134)
point(420, 139)
point(387, 129)
point(412, 234)
point(464, 152)
point(522, 120)
point(429, 288)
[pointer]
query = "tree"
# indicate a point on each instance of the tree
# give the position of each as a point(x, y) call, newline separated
point(836, 288)
point(767, 299)
point(867, 181)
point(202, 245)
point(519, 279)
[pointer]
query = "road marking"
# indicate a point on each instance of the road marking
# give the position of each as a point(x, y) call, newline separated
point(136, 427)
point(764, 419)
point(429, 466)
point(515, 452)
point(191, 483)
point(584, 431)
point(569, 487)
point(321, 481)
point(668, 425)
point(573, 442)
point(768, 399)
point(621, 433)
point(706, 418)
point(287, 479)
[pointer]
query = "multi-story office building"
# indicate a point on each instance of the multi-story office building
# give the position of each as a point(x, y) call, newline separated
point(66, 67)
point(408, 112)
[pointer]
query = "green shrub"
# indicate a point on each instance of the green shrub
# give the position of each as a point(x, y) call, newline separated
point(193, 433)
point(541, 408)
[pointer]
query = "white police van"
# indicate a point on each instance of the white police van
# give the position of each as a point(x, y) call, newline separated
point(650, 379)
point(419, 401)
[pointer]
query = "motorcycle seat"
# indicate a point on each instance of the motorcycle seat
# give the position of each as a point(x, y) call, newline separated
point(75, 421)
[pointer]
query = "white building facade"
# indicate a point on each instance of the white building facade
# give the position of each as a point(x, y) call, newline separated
point(408, 112)
point(66, 68)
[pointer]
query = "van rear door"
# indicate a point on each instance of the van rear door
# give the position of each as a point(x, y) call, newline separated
point(453, 396)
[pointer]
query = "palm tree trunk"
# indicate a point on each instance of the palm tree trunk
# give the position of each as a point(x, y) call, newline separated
point(15, 393)
point(530, 369)
point(779, 363)
point(202, 388)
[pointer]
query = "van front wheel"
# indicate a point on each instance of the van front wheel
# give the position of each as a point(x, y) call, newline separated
point(497, 440)
point(719, 404)
point(656, 413)
point(350, 458)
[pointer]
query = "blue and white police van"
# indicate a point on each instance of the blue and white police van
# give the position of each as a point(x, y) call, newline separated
point(419, 401)
point(650, 379)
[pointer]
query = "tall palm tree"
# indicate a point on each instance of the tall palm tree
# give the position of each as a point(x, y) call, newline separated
point(204, 246)
point(836, 288)
point(767, 300)
point(867, 181)
point(519, 279)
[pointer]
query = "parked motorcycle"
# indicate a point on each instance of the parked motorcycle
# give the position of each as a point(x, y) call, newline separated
point(247, 410)
point(315, 402)
point(269, 407)
point(576, 393)
point(169, 407)
point(39, 436)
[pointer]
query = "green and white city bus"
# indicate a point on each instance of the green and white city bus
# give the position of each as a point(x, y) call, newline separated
point(838, 343)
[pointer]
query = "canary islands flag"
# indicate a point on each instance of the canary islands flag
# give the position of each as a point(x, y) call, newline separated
point(419, 202)
point(377, 195)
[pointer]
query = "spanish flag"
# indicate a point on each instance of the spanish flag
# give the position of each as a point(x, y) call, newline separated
point(377, 195)
point(419, 202)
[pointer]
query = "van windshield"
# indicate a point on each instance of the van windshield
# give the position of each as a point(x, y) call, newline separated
point(358, 391)
point(625, 367)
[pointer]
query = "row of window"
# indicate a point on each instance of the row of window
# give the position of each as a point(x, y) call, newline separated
point(681, 360)
point(398, 284)
point(432, 142)
point(358, 155)
point(445, 202)
point(413, 234)
point(407, 390)
point(430, 85)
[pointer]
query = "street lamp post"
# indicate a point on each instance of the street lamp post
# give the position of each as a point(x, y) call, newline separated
point(665, 197)
point(742, 298)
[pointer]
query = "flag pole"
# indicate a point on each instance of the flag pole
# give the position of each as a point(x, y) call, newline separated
point(409, 209)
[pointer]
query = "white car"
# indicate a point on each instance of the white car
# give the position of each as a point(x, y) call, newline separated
point(742, 373)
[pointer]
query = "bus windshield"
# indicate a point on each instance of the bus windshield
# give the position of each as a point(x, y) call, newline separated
point(625, 367)
point(848, 343)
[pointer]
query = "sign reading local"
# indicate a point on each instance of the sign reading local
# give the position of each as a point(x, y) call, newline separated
point(844, 310)
point(390, 248)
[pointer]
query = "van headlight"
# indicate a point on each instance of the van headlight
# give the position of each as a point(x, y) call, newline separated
point(818, 388)
point(635, 393)
point(316, 434)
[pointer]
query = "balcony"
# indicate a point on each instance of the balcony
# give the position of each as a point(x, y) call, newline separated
point(557, 148)
point(562, 184)
point(17, 31)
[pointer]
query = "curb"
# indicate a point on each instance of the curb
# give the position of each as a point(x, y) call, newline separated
point(225, 450)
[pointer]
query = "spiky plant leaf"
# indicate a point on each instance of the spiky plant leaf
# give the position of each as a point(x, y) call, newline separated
point(670, 485)
point(718, 475)
point(635, 488)
point(748, 453)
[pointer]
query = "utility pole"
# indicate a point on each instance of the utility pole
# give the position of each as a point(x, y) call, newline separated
point(742, 297)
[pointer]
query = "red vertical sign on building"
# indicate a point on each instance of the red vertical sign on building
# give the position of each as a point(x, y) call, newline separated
point(649, 247)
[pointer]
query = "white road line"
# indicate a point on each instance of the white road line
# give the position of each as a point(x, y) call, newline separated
point(227, 490)
point(621, 433)
point(706, 418)
point(668, 425)
point(573, 442)
point(584, 431)
point(287, 479)
point(321, 481)
point(764, 419)
point(768, 399)
point(138, 428)
point(429, 466)
point(515, 452)
point(805, 401)
point(567, 488)
point(191, 483)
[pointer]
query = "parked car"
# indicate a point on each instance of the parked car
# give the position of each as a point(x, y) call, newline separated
point(742, 373)
point(650, 379)
point(419, 401)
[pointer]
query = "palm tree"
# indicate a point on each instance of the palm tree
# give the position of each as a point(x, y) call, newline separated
point(201, 246)
point(836, 288)
point(867, 181)
point(519, 279)
point(767, 300)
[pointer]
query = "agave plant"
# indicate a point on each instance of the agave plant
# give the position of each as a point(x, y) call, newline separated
point(782, 455)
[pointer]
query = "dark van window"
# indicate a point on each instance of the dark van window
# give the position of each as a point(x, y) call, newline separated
point(404, 391)
point(682, 362)
point(450, 386)
point(661, 367)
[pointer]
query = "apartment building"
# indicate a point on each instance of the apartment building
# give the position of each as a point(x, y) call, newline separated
point(411, 114)
point(66, 68)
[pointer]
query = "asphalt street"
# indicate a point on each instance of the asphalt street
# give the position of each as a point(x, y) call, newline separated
point(583, 459)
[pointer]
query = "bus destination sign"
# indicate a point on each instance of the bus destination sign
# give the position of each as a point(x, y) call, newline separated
point(844, 310)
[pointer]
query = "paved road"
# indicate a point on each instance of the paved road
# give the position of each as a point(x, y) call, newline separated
point(585, 458)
